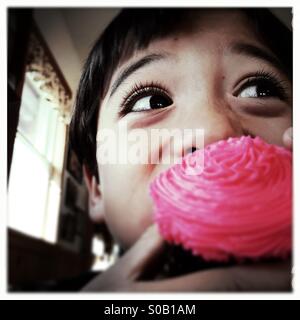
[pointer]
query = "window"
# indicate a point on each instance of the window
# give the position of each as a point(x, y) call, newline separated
point(34, 189)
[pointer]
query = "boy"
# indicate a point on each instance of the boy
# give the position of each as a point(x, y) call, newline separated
point(218, 70)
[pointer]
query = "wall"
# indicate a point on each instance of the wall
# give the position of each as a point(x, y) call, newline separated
point(85, 26)
point(55, 32)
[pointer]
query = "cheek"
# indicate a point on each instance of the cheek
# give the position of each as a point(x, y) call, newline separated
point(128, 207)
point(270, 129)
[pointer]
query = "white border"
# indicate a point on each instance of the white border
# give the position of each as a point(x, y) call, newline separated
point(3, 152)
point(147, 296)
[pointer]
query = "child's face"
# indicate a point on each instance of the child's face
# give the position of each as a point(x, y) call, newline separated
point(205, 72)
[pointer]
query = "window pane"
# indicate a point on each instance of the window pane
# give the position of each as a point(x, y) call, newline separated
point(51, 218)
point(27, 193)
point(29, 111)
point(37, 164)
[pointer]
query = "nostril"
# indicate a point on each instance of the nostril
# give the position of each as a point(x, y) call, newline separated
point(191, 150)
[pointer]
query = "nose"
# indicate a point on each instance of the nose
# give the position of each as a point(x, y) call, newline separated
point(216, 120)
point(219, 126)
point(191, 150)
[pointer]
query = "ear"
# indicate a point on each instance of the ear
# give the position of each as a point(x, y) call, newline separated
point(96, 206)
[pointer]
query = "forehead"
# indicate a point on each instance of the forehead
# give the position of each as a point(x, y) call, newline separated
point(201, 29)
point(207, 20)
point(203, 26)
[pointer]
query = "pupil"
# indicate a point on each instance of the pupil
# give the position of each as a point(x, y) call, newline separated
point(158, 101)
point(264, 91)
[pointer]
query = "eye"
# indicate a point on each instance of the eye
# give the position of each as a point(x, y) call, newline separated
point(155, 101)
point(145, 98)
point(262, 86)
point(258, 91)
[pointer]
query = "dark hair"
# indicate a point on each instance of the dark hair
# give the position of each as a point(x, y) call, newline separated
point(132, 30)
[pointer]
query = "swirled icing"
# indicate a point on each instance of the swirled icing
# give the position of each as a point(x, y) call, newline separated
point(239, 206)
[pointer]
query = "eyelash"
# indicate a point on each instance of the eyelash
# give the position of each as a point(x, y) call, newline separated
point(141, 90)
point(266, 77)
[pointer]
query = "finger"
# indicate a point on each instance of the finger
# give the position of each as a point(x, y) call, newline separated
point(288, 138)
point(142, 255)
point(263, 277)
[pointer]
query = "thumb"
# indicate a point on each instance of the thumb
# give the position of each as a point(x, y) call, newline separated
point(288, 138)
point(141, 257)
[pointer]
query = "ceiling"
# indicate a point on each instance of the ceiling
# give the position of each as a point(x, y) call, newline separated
point(85, 25)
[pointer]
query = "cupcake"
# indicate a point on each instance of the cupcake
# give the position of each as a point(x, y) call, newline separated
point(236, 207)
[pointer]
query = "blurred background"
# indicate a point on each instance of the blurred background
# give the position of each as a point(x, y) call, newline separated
point(53, 246)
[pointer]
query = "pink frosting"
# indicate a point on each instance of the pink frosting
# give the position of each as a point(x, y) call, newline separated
point(239, 206)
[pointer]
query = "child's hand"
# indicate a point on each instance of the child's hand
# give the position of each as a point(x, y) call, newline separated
point(124, 275)
point(288, 138)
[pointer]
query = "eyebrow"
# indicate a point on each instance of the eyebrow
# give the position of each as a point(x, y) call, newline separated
point(237, 47)
point(258, 53)
point(146, 60)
